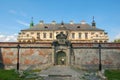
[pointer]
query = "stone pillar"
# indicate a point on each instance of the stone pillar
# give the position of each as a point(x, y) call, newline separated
point(53, 55)
point(68, 56)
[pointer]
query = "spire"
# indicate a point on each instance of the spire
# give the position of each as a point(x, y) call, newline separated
point(62, 24)
point(31, 24)
point(93, 23)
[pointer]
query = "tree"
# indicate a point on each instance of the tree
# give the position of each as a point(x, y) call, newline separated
point(117, 40)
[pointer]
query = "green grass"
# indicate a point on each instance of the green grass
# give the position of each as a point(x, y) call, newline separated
point(9, 75)
point(112, 74)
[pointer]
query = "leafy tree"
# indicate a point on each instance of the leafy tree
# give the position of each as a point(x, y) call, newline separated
point(117, 40)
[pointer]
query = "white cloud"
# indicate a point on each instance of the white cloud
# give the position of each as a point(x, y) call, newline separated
point(13, 12)
point(117, 36)
point(18, 13)
point(8, 38)
point(22, 22)
point(23, 14)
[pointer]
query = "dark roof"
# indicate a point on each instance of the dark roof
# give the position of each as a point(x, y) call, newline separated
point(50, 27)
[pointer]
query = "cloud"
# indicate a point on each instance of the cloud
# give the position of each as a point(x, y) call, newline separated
point(18, 13)
point(23, 14)
point(8, 38)
point(117, 36)
point(13, 12)
point(22, 23)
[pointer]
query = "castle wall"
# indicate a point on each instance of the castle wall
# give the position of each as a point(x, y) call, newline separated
point(87, 55)
point(39, 55)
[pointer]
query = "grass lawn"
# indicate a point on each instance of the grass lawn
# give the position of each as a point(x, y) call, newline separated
point(112, 74)
point(8, 75)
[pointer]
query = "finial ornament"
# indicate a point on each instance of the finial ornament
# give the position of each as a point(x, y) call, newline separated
point(93, 19)
point(93, 23)
point(62, 23)
point(31, 24)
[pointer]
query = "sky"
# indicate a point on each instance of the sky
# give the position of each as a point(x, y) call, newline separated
point(15, 15)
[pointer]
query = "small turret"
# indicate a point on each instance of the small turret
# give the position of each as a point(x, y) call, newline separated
point(93, 23)
point(31, 24)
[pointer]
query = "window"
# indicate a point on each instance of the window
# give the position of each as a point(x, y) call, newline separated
point(32, 32)
point(92, 33)
point(38, 35)
point(100, 41)
point(101, 33)
point(86, 35)
point(73, 35)
point(95, 41)
point(105, 41)
point(78, 26)
point(50, 35)
point(44, 35)
point(57, 32)
point(96, 35)
point(46, 27)
point(23, 33)
point(27, 35)
point(79, 35)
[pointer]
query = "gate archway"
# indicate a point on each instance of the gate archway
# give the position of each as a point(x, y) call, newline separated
point(61, 58)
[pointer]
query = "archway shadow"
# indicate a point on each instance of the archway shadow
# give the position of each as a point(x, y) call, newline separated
point(1, 59)
point(61, 58)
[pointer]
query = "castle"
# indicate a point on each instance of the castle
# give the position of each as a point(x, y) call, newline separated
point(75, 32)
point(44, 45)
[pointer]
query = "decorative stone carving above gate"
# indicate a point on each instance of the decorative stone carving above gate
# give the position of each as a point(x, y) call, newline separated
point(61, 40)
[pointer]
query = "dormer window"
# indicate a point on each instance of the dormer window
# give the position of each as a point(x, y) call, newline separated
point(106, 33)
point(78, 26)
point(46, 27)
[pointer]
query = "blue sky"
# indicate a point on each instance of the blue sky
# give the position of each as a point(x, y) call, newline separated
point(16, 14)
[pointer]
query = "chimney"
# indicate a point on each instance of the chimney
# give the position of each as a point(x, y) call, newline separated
point(53, 22)
point(71, 22)
point(41, 22)
point(83, 22)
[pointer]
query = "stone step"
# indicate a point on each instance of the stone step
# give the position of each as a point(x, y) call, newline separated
point(59, 70)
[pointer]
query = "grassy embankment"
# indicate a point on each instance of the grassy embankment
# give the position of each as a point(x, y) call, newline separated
point(112, 74)
point(12, 75)
point(8, 75)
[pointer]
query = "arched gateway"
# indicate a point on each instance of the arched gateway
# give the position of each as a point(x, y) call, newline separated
point(60, 58)
point(61, 50)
